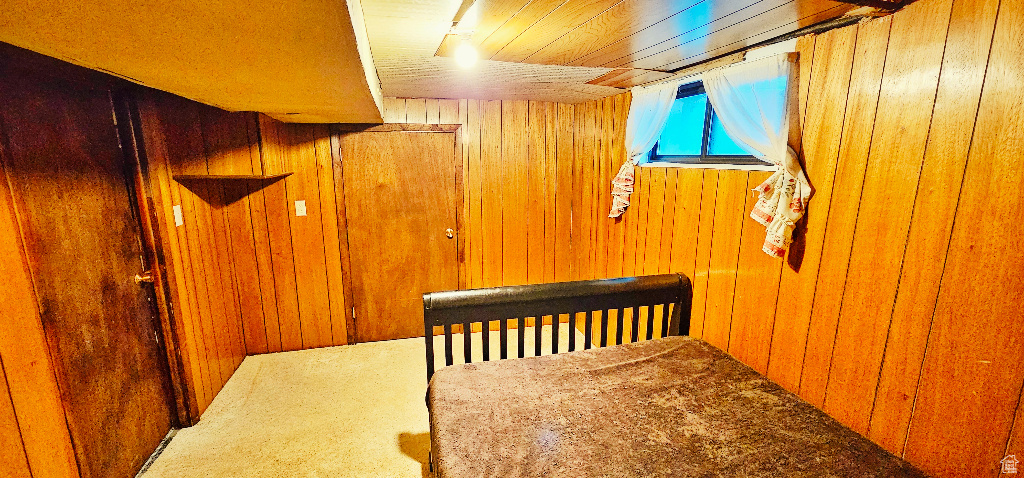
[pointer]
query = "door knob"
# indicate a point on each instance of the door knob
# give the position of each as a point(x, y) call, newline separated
point(146, 276)
point(449, 233)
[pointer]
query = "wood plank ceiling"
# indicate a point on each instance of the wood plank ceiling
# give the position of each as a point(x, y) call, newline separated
point(568, 50)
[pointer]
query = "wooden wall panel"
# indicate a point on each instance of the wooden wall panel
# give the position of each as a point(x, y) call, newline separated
point(471, 136)
point(179, 268)
point(689, 191)
point(822, 125)
point(491, 219)
point(248, 275)
point(857, 128)
point(536, 194)
point(791, 316)
point(726, 232)
point(702, 260)
point(971, 379)
point(956, 106)
point(897, 309)
point(514, 162)
point(890, 185)
point(825, 257)
point(757, 289)
point(30, 383)
point(13, 460)
point(564, 192)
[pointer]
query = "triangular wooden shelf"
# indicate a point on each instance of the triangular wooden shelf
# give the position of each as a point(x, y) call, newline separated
point(188, 177)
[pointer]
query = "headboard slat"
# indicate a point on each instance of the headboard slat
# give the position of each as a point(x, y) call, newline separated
point(664, 316)
point(485, 339)
point(521, 336)
point(448, 359)
point(468, 307)
point(503, 339)
point(588, 330)
point(538, 327)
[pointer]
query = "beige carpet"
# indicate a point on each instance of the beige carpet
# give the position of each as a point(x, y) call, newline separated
point(349, 411)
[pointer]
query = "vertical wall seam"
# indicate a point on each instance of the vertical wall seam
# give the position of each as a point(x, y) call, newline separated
point(935, 303)
point(17, 421)
point(803, 120)
point(881, 81)
point(913, 212)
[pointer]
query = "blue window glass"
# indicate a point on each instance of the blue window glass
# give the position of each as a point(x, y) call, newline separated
point(694, 134)
point(719, 142)
point(684, 131)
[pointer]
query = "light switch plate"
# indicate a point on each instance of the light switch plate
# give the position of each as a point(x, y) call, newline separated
point(179, 219)
point(300, 208)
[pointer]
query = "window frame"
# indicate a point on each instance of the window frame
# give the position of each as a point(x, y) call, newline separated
point(693, 89)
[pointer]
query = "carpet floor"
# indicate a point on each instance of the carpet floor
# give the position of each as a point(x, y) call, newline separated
point(349, 411)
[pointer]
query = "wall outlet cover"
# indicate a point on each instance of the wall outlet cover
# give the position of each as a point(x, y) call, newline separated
point(179, 219)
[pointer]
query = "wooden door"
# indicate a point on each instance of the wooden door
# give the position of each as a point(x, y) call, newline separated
point(400, 198)
point(76, 210)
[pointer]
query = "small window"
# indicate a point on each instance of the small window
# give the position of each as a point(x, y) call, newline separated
point(694, 134)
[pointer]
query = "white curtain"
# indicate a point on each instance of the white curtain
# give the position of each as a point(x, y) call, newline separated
point(648, 112)
point(754, 104)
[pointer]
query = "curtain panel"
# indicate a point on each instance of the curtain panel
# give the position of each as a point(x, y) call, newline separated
point(648, 112)
point(754, 103)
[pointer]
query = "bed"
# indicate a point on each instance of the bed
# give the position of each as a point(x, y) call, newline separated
point(635, 398)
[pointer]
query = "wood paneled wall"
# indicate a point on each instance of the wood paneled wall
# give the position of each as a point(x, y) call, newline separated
point(34, 436)
point(249, 276)
point(530, 168)
point(898, 308)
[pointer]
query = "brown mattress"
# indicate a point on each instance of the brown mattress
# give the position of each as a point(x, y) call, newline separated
point(670, 407)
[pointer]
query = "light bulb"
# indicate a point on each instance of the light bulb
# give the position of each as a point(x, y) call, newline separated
point(465, 55)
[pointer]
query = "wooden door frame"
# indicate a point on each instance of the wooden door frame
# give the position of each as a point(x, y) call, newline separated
point(341, 130)
point(129, 130)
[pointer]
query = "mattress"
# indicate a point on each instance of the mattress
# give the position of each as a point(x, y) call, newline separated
point(675, 406)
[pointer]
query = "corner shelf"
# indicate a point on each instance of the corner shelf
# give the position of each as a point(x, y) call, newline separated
point(258, 177)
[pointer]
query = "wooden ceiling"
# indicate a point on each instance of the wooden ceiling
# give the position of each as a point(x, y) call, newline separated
point(405, 34)
point(663, 35)
point(311, 61)
point(548, 48)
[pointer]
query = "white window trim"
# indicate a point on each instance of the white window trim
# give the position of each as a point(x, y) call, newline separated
point(752, 55)
point(738, 167)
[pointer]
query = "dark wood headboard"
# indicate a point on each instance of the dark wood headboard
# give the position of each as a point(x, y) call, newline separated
point(466, 307)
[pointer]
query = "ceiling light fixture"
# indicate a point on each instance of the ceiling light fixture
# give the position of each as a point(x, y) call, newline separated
point(465, 54)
